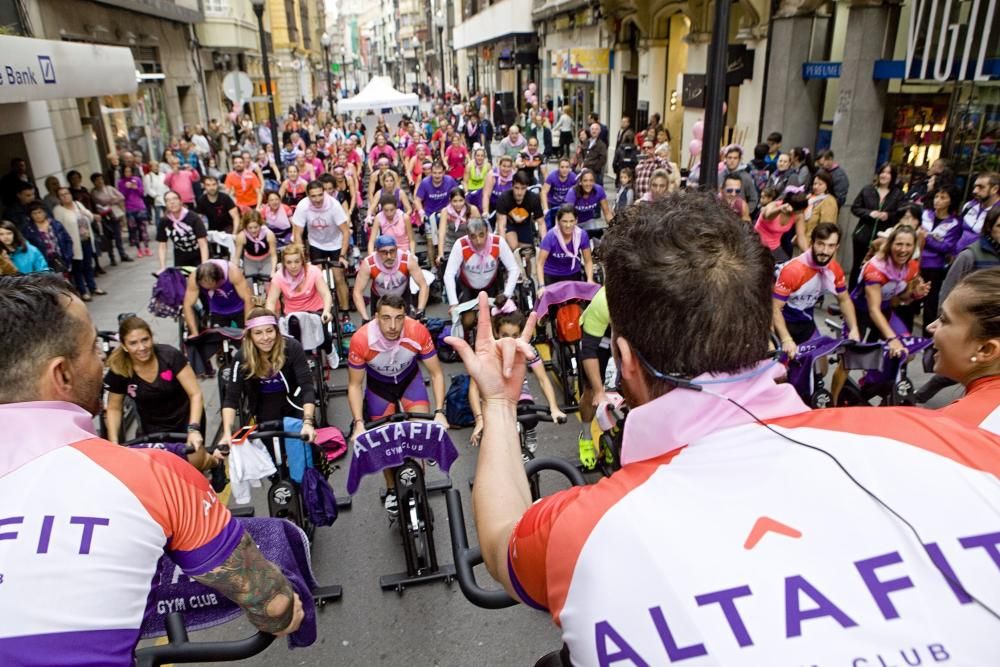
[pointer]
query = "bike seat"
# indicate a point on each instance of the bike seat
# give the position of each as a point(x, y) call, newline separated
point(217, 335)
point(863, 356)
point(389, 445)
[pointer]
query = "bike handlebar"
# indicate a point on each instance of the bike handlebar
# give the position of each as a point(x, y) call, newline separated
point(466, 557)
point(535, 413)
point(397, 417)
point(181, 650)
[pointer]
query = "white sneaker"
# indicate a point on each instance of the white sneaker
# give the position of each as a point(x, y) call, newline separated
point(531, 440)
point(391, 503)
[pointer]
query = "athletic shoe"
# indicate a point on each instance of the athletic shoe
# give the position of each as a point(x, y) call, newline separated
point(126, 258)
point(588, 457)
point(525, 458)
point(346, 325)
point(391, 503)
point(531, 440)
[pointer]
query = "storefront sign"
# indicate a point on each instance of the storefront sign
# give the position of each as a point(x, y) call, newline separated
point(946, 36)
point(580, 63)
point(820, 70)
point(41, 69)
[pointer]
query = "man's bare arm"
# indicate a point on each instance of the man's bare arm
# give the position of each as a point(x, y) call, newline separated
point(258, 587)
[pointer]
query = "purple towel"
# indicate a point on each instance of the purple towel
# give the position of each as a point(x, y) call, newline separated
point(178, 448)
point(800, 373)
point(389, 445)
point(561, 292)
point(282, 542)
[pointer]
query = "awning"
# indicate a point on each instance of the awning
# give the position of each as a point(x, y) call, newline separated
point(378, 94)
point(43, 69)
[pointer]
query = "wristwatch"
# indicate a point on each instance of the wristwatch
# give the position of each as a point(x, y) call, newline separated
point(439, 411)
point(194, 427)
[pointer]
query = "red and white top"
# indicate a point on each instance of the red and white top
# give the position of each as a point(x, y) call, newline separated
point(721, 543)
point(388, 360)
point(980, 406)
point(801, 282)
point(83, 524)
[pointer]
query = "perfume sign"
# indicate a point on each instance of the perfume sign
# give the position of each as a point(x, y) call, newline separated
point(947, 39)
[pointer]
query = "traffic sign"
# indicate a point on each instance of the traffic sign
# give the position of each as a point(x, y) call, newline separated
point(237, 87)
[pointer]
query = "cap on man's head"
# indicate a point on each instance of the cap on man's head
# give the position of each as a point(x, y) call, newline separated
point(385, 241)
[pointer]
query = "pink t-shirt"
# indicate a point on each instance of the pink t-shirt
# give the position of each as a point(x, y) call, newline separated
point(456, 156)
point(771, 229)
point(305, 298)
point(182, 182)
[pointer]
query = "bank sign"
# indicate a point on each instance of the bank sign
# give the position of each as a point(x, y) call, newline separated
point(41, 69)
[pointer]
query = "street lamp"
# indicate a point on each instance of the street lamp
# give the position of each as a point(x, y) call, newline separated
point(439, 24)
point(715, 95)
point(325, 41)
point(258, 9)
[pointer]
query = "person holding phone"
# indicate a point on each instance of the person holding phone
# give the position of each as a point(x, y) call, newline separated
point(271, 373)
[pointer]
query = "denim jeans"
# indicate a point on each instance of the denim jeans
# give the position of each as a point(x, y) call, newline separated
point(83, 269)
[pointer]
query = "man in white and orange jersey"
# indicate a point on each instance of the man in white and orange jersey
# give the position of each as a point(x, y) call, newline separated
point(802, 282)
point(83, 522)
point(383, 371)
point(743, 528)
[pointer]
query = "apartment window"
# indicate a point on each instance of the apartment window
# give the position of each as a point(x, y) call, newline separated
point(304, 22)
point(293, 30)
point(216, 7)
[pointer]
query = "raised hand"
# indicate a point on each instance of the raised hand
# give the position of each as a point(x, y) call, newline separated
point(497, 366)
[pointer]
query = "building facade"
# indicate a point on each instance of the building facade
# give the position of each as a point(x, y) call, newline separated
point(228, 41)
point(296, 55)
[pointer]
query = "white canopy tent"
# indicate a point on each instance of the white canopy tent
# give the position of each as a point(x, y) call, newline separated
point(378, 94)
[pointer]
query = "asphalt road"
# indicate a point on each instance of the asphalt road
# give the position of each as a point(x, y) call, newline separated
point(431, 624)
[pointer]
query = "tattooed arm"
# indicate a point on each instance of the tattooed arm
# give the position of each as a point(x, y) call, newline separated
point(259, 587)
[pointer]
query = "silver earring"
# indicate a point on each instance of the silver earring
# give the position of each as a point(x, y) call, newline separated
point(973, 359)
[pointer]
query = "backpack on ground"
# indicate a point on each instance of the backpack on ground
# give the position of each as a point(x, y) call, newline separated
point(457, 408)
point(439, 330)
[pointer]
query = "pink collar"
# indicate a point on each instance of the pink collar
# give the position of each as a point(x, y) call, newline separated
point(378, 342)
point(40, 427)
point(683, 416)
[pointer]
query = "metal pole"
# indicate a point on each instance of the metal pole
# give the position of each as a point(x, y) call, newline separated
point(272, 117)
point(441, 54)
point(329, 78)
point(715, 95)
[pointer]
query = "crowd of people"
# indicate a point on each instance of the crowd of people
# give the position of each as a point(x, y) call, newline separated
point(450, 199)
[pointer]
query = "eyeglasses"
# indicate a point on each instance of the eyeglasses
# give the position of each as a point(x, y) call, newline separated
point(732, 191)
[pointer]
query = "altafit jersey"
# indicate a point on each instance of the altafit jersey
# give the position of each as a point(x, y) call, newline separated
point(388, 361)
point(386, 282)
point(873, 274)
point(83, 523)
point(980, 406)
point(800, 286)
point(721, 543)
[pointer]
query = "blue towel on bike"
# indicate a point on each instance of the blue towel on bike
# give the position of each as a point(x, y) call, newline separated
point(389, 445)
point(298, 452)
point(282, 542)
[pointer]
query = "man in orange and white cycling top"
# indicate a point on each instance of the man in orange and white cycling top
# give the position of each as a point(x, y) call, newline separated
point(84, 522)
point(743, 528)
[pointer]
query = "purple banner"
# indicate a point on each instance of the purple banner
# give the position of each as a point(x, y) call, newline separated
point(389, 445)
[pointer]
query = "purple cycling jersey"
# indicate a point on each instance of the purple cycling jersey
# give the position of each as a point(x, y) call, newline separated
point(558, 189)
point(587, 206)
point(435, 197)
point(223, 300)
point(561, 262)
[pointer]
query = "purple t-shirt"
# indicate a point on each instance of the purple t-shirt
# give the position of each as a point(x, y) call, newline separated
point(558, 189)
point(560, 263)
point(587, 207)
point(435, 198)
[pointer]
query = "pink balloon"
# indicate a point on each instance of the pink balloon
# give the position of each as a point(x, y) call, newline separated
point(725, 108)
point(694, 148)
point(698, 130)
point(532, 87)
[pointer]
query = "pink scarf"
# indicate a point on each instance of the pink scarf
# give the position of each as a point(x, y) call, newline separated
point(395, 228)
point(178, 220)
point(378, 342)
point(889, 268)
point(246, 178)
point(500, 179)
point(276, 220)
point(459, 217)
point(294, 282)
point(401, 258)
point(259, 241)
point(293, 186)
point(826, 277)
point(574, 243)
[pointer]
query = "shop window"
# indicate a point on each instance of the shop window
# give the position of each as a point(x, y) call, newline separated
point(216, 7)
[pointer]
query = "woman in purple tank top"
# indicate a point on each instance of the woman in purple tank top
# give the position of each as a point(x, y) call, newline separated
point(222, 288)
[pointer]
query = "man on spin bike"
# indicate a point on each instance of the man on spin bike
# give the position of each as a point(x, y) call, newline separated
point(85, 522)
point(802, 282)
point(386, 351)
point(476, 260)
point(224, 290)
point(323, 218)
point(520, 216)
point(389, 270)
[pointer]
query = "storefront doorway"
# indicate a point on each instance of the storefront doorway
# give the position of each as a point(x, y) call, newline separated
point(579, 96)
point(136, 122)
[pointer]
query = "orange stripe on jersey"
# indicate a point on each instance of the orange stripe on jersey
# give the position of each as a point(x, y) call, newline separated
point(927, 429)
point(174, 493)
point(981, 399)
point(548, 539)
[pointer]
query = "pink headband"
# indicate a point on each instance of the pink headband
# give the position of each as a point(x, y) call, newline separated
point(507, 308)
point(262, 321)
